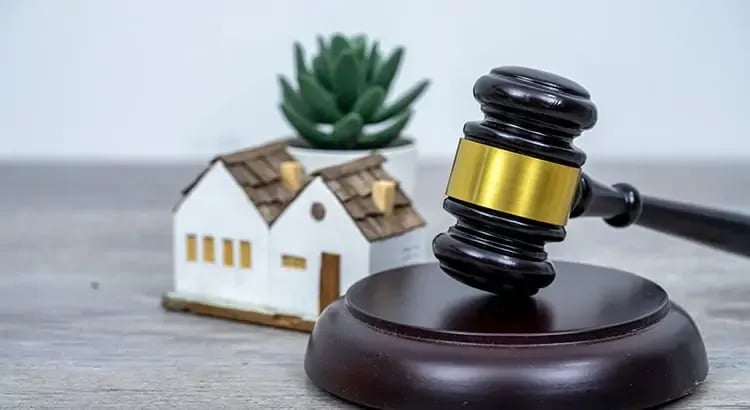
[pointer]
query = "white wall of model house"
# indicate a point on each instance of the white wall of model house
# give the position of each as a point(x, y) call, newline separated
point(217, 208)
point(404, 249)
point(297, 233)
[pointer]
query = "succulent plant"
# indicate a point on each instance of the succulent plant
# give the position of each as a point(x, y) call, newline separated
point(343, 90)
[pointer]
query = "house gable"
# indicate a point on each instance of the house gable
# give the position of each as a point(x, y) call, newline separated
point(352, 184)
point(210, 227)
point(315, 222)
point(257, 172)
point(299, 213)
point(212, 193)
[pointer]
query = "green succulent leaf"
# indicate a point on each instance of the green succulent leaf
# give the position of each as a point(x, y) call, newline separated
point(347, 129)
point(373, 61)
point(386, 71)
point(359, 45)
point(401, 103)
point(299, 59)
point(306, 129)
point(322, 46)
point(321, 101)
point(345, 84)
point(339, 44)
point(291, 97)
point(348, 79)
point(322, 71)
point(386, 135)
point(369, 102)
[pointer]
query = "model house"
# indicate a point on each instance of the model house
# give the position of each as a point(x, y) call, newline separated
point(258, 238)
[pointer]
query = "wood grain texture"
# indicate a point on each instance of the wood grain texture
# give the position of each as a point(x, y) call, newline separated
point(85, 256)
point(330, 279)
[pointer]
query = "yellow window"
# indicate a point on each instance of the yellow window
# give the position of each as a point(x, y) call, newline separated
point(228, 252)
point(293, 262)
point(208, 249)
point(191, 248)
point(246, 260)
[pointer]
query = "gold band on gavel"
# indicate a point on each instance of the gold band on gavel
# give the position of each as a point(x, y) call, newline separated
point(512, 183)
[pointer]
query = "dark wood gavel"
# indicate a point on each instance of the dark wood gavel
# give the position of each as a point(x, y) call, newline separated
point(517, 179)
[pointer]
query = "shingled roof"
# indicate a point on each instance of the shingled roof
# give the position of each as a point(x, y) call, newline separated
point(257, 171)
point(352, 181)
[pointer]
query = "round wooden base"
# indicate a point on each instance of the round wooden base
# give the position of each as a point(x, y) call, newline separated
point(597, 338)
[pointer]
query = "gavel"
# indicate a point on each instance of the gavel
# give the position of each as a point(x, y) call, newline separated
point(517, 179)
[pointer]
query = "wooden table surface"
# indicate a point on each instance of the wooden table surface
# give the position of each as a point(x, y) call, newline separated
point(85, 257)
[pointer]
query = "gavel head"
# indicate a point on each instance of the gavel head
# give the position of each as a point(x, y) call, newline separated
point(514, 180)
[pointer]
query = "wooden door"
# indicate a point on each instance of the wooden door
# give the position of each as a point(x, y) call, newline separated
point(330, 275)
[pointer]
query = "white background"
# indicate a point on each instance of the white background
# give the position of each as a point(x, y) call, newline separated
point(184, 79)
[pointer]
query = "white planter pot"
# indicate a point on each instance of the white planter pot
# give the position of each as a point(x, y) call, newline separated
point(401, 160)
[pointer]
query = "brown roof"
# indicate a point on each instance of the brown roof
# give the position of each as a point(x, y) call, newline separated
point(351, 182)
point(257, 171)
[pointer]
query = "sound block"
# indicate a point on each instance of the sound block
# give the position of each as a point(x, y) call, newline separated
point(597, 338)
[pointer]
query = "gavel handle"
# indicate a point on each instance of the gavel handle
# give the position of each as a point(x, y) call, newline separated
point(622, 205)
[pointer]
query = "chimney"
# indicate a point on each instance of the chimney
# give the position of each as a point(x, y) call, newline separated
point(291, 175)
point(384, 195)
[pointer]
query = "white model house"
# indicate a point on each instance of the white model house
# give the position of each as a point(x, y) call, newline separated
point(258, 239)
